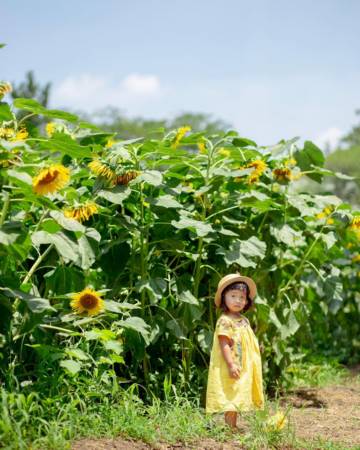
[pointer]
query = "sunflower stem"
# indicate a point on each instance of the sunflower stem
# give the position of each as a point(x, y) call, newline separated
point(36, 264)
point(4, 208)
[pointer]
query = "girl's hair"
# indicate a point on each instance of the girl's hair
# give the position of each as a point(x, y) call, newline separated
point(236, 286)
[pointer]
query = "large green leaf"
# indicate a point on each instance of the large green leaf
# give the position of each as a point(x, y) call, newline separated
point(308, 158)
point(187, 297)
point(71, 366)
point(116, 195)
point(152, 177)
point(35, 304)
point(244, 253)
point(288, 236)
point(136, 324)
point(67, 248)
point(64, 279)
point(66, 223)
point(67, 146)
point(200, 228)
point(36, 108)
point(167, 201)
point(291, 326)
point(5, 112)
point(86, 252)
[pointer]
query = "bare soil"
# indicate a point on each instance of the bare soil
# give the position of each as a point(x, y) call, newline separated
point(331, 413)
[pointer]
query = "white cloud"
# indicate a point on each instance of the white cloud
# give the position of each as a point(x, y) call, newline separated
point(141, 84)
point(90, 92)
point(329, 139)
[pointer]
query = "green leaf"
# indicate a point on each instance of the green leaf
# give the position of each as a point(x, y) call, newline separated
point(301, 203)
point(152, 177)
point(114, 346)
point(291, 327)
point(67, 146)
point(200, 228)
point(116, 195)
point(64, 246)
point(187, 297)
point(288, 235)
point(21, 176)
point(274, 319)
point(167, 201)
point(36, 108)
point(117, 307)
point(5, 112)
point(243, 142)
point(86, 253)
point(155, 287)
point(36, 304)
point(243, 253)
point(309, 157)
point(257, 200)
point(8, 236)
point(64, 279)
point(329, 239)
point(174, 326)
point(71, 366)
point(66, 223)
point(29, 105)
point(137, 324)
point(77, 353)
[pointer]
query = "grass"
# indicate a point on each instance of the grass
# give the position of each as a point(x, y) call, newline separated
point(29, 419)
point(318, 372)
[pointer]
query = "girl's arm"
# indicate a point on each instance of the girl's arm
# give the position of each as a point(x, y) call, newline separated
point(225, 345)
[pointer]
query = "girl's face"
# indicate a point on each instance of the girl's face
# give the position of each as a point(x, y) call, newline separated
point(236, 299)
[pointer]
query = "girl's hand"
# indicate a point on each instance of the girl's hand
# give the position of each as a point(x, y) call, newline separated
point(234, 371)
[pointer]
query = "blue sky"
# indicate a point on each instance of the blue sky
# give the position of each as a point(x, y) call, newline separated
point(273, 69)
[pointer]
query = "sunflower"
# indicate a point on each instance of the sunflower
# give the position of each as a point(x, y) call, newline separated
point(259, 167)
point(51, 179)
point(290, 162)
point(7, 133)
point(83, 212)
point(20, 135)
point(356, 259)
point(202, 147)
point(276, 422)
point(50, 128)
point(324, 214)
point(355, 224)
point(109, 143)
point(88, 301)
point(179, 135)
point(101, 169)
point(283, 174)
point(224, 152)
point(5, 88)
point(126, 177)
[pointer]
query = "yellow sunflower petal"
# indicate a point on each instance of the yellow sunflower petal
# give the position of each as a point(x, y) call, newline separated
point(51, 179)
point(87, 301)
point(83, 212)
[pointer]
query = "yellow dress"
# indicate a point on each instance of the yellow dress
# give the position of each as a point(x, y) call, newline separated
point(229, 394)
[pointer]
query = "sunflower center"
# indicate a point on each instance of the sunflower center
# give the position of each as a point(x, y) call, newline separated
point(49, 177)
point(88, 301)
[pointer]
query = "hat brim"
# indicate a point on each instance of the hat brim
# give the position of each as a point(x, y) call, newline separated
point(236, 279)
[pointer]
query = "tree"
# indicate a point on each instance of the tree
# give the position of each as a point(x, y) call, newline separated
point(30, 88)
point(112, 119)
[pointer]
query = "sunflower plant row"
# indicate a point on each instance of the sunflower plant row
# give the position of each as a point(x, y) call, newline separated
point(111, 251)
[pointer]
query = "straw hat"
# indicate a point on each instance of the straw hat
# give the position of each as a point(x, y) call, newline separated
point(234, 278)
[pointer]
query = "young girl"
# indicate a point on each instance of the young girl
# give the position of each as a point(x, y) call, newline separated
point(235, 374)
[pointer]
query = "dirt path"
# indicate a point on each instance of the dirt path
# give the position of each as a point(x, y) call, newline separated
point(331, 413)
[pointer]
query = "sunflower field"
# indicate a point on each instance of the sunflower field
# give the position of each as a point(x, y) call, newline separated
point(111, 251)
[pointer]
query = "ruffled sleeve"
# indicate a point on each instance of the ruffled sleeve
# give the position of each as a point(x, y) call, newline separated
point(224, 327)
